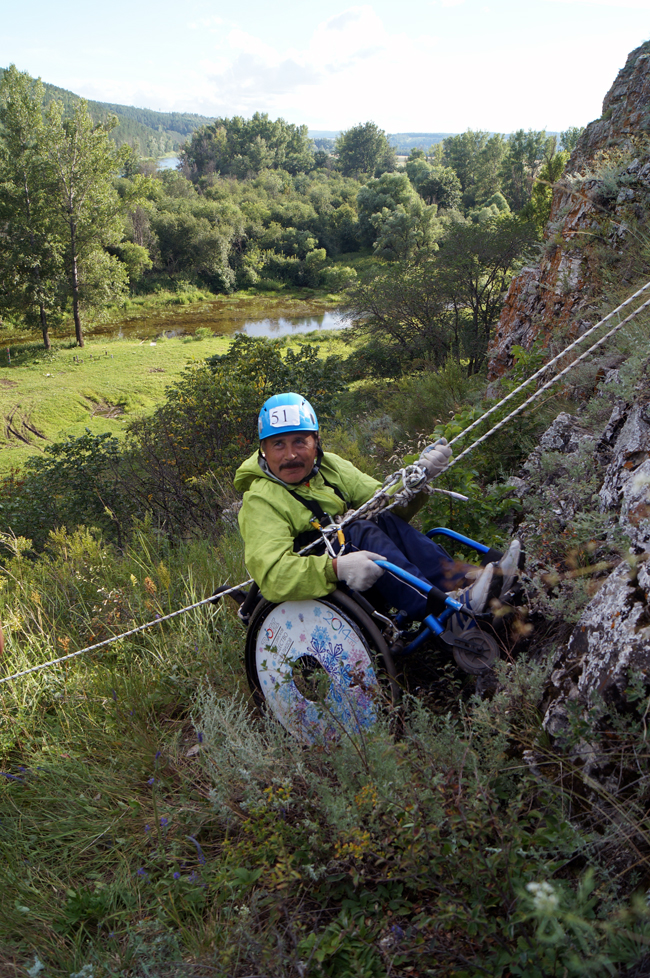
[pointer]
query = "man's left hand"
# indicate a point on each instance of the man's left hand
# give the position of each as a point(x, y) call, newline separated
point(436, 458)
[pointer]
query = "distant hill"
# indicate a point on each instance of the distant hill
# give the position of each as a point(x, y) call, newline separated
point(150, 133)
point(404, 142)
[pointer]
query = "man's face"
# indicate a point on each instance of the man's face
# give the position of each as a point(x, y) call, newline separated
point(290, 457)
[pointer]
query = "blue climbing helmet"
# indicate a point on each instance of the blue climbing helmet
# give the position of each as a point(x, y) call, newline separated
point(284, 413)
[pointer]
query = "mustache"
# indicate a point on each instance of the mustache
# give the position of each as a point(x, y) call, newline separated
point(291, 465)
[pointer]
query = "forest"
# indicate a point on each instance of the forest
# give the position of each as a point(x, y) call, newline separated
point(152, 823)
point(255, 205)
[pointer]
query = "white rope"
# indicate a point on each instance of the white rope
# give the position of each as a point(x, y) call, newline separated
point(544, 387)
point(551, 363)
point(116, 638)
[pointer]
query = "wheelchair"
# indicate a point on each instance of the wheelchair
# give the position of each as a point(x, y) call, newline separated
point(324, 666)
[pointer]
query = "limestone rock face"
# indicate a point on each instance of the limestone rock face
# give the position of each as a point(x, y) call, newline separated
point(611, 640)
point(610, 643)
point(627, 478)
point(562, 288)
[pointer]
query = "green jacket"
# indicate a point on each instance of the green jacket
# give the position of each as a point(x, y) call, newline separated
point(270, 519)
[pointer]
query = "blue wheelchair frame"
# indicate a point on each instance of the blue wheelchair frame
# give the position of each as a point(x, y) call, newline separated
point(436, 624)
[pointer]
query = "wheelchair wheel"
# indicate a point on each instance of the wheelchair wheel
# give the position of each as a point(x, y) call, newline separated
point(312, 665)
point(483, 655)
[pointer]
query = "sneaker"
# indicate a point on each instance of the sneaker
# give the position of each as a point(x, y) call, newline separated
point(474, 598)
point(507, 568)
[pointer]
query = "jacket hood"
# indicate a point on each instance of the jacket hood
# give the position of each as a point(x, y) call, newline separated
point(248, 472)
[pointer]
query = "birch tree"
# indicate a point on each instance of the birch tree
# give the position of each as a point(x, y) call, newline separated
point(31, 248)
point(83, 162)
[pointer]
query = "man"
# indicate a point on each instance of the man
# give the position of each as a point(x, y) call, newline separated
point(291, 481)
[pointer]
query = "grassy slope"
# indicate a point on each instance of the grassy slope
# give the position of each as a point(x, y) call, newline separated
point(45, 397)
point(68, 390)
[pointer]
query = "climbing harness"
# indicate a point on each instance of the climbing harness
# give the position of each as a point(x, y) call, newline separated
point(412, 478)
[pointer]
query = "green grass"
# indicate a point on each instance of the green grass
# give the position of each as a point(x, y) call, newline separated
point(150, 825)
point(45, 397)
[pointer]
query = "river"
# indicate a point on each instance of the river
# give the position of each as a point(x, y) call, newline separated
point(254, 316)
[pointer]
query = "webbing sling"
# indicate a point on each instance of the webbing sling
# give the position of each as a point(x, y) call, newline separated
point(317, 511)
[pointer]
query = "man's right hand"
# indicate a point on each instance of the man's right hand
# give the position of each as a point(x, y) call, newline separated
point(358, 570)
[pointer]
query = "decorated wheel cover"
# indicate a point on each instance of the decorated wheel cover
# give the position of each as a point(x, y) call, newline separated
point(314, 671)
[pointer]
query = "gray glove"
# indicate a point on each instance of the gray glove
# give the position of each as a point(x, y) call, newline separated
point(435, 458)
point(358, 570)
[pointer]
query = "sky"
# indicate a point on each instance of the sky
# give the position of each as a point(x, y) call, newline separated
point(416, 66)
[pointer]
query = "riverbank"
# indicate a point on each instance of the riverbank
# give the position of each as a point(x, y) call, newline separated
point(145, 316)
point(47, 397)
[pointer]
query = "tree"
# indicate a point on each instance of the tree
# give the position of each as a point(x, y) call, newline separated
point(441, 186)
point(83, 162)
point(461, 153)
point(386, 192)
point(474, 268)
point(243, 147)
point(402, 315)
point(569, 138)
point(405, 232)
point(31, 261)
point(525, 155)
point(488, 176)
point(538, 208)
point(364, 149)
point(477, 160)
point(421, 310)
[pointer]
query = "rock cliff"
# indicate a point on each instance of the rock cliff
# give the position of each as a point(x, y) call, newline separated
point(595, 668)
point(605, 189)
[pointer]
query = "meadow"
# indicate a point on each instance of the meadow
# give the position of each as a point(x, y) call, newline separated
point(48, 396)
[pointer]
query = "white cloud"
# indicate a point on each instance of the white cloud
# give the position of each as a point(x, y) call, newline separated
point(206, 23)
point(350, 68)
point(630, 4)
point(348, 58)
point(242, 41)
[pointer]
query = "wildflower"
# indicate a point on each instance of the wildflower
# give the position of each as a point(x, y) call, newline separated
point(177, 876)
point(147, 828)
point(150, 586)
point(158, 754)
point(545, 899)
point(164, 821)
point(114, 695)
point(199, 736)
point(150, 781)
point(142, 873)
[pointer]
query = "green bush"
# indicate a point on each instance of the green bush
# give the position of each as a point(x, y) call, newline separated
point(176, 464)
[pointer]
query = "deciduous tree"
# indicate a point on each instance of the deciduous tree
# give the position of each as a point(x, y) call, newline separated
point(526, 154)
point(364, 149)
point(424, 309)
point(243, 147)
point(31, 260)
point(83, 162)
